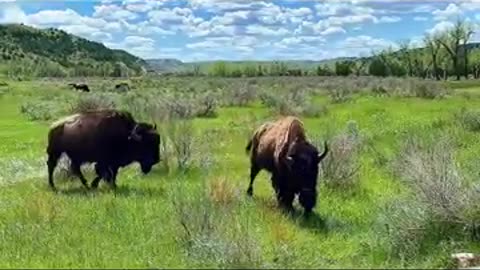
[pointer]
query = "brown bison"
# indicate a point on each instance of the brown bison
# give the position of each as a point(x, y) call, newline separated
point(111, 139)
point(282, 148)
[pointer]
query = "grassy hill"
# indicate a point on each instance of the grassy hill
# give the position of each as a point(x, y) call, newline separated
point(56, 50)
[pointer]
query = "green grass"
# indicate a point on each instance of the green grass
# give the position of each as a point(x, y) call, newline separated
point(140, 226)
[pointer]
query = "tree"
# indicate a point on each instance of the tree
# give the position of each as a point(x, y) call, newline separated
point(377, 67)
point(475, 63)
point(359, 65)
point(451, 41)
point(406, 56)
point(433, 46)
point(467, 35)
point(343, 68)
point(323, 71)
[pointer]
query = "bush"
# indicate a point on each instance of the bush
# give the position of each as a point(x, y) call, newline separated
point(85, 103)
point(441, 207)
point(206, 106)
point(341, 165)
point(340, 95)
point(241, 95)
point(39, 110)
point(469, 119)
point(181, 137)
point(211, 234)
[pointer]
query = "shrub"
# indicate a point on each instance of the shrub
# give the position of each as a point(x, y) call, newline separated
point(39, 110)
point(340, 95)
point(441, 207)
point(85, 103)
point(241, 95)
point(211, 234)
point(429, 169)
point(341, 165)
point(468, 119)
point(181, 137)
point(206, 106)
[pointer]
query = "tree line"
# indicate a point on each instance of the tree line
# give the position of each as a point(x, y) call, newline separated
point(443, 55)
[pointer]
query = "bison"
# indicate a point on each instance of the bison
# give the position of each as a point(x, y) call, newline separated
point(82, 87)
point(281, 148)
point(109, 138)
point(122, 87)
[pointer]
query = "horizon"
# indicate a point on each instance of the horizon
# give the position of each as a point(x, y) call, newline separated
point(240, 30)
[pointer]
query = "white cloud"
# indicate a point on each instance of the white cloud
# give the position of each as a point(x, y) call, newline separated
point(341, 9)
point(389, 19)
point(440, 27)
point(294, 42)
point(132, 41)
point(333, 30)
point(256, 29)
point(452, 10)
point(171, 16)
point(420, 18)
point(139, 46)
point(367, 42)
point(113, 12)
point(11, 13)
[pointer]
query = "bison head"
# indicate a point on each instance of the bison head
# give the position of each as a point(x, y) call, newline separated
point(146, 145)
point(302, 162)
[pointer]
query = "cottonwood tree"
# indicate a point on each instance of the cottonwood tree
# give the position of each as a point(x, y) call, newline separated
point(453, 39)
point(433, 47)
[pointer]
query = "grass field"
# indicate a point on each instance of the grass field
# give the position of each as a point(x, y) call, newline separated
point(200, 216)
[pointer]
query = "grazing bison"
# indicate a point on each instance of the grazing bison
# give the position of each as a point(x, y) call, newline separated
point(282, 148)
point(82, 87)
point(109, 138)
point(122, 87)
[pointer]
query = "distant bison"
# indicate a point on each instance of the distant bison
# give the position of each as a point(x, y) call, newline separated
point(82, 87)
point(109, 138)
point(122, 87)
point(281, 148)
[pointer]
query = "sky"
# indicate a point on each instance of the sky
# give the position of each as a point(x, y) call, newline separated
point(204, 30)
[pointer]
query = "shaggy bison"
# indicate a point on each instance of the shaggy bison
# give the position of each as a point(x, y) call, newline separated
point(82, 87)
point(282, 148)
point(111, 139)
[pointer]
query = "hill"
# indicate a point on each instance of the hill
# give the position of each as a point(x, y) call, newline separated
point(165, 65)
point(56, 50)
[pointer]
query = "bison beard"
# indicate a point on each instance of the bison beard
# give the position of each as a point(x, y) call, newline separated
point(281, 148)
point(111, 139)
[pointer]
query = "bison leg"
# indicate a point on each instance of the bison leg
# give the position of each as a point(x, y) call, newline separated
point(308, 200)
point(100, 174)
point(51, 164)
point(78, 172)
point(254, 170)
point(285, 199)
point(111, 176)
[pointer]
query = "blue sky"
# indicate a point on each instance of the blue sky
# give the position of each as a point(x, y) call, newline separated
point(197, 30)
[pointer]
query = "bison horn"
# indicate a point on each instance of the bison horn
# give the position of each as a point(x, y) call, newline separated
point(289, 161)
point(324, 154)
point(155, 126)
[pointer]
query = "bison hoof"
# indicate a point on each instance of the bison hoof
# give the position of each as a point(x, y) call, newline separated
point(250, 192)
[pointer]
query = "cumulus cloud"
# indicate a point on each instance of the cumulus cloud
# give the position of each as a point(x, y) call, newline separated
point(452, 10)
point(440, 27)
point(265, 31)
point(113, 12)
point(367, 42)
point(10, 13)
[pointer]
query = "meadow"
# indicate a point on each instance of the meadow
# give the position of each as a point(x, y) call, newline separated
point(399, 188)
